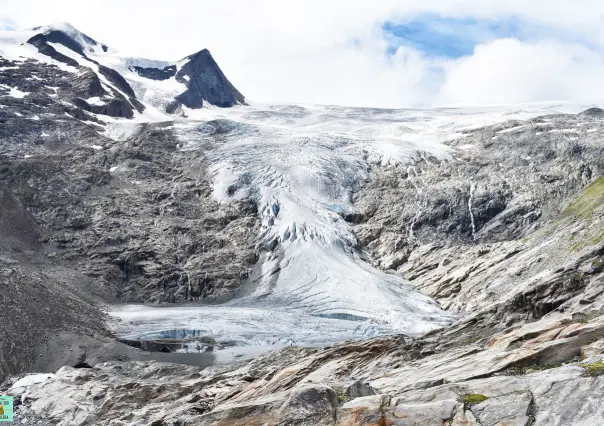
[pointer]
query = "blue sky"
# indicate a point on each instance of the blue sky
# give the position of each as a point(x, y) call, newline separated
point(7, 24)
point(454, 37)
point(449, 37)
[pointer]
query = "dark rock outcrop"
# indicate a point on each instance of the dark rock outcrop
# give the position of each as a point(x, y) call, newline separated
point(593, 113)
point(314, 404)
point(116, 78)
point(40, 42)
point(200, 74)
point(206, 82)
point(87, 85)
point(156, 73)
point(360, 389)
point(61, 37)
point(111, 107)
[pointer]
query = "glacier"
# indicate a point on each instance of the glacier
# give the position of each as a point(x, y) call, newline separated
point(301, 164)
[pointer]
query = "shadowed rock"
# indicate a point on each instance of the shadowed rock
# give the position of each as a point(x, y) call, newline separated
point(359, 389)
point(593, 113)
point(314, 404)
point(206, 82)
point(156, 73)
point(40, 42)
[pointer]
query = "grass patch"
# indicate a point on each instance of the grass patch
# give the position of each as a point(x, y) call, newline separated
point(594, 369)
point(587, 241)
point(588, 200)
point(473, 398)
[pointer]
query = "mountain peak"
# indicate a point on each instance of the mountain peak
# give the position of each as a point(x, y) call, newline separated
point(205, 81)
point(72, 38)
point(65, 27)
point(203, 53)
point(197, 77)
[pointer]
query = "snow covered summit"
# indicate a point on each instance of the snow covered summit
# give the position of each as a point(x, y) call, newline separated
point(117, 86)
point(67, 35)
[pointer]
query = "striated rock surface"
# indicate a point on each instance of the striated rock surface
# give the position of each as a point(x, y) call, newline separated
point(301, 386)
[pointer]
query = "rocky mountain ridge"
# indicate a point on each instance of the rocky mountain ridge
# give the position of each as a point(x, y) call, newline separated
point(111, 85)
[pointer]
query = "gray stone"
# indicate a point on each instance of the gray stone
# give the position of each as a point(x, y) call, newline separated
point(310, 405)
point(359, 389)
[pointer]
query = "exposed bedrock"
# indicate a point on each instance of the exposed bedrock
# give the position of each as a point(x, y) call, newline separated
point(503, 182)
point(499, 216)
point(156, 73)
point(515, 378)
point(206, 82)
point(138, 217)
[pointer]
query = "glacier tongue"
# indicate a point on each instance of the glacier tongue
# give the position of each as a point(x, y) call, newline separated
point(301, 165)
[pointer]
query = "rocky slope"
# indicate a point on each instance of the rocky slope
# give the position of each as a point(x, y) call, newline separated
point(524, 351)
point(513, 378)
point(500, 212)
point(138, 213)
point(114, 189)
point(88, 221)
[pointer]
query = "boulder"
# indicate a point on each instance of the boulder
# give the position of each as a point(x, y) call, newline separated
point(310, 405)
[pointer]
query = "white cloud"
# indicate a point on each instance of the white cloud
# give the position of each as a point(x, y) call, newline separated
point(6, 23)
point(334, 52)
point(507, 71)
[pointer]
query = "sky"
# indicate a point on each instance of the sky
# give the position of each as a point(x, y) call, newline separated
point(378, 53)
